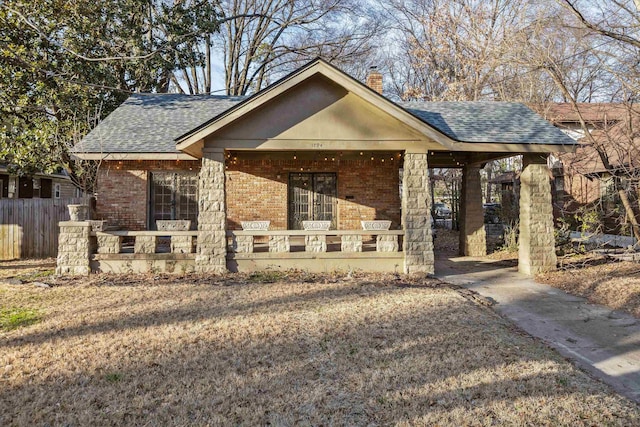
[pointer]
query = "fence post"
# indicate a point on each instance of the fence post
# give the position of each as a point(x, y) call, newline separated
point(73, 248)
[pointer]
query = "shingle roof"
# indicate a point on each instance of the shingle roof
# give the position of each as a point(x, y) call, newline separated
point(150, 123)
point(487, 121)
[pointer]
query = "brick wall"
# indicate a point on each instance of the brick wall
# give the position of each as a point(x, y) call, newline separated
point(122, 191)
point(257, 190)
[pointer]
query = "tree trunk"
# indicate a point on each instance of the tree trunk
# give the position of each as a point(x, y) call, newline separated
point(629, 210)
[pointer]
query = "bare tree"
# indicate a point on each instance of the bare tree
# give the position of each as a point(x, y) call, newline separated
point(611, 146)
point(454, 50)
point(259, 41)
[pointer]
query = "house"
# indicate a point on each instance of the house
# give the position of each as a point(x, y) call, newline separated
point(39, 185)
point(610, 153)
point(317, 145)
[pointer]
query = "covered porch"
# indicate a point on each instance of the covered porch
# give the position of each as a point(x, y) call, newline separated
point(269, 181)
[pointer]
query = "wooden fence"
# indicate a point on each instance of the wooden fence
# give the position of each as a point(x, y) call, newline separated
point(29, 227)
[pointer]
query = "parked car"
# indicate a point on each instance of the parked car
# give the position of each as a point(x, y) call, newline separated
point(492, 212)
point(440, 210)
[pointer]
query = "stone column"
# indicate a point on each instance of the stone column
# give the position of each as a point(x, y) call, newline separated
point(473, 240)
point(211, 256)
point(537, 243)
point(73, 248)
point(417, 243)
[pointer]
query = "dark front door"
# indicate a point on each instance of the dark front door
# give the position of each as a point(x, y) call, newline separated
point(312, 196)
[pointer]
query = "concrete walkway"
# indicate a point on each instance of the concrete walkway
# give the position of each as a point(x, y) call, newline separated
point(601, 341)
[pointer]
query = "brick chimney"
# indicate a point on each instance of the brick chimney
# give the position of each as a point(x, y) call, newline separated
point(374, 79)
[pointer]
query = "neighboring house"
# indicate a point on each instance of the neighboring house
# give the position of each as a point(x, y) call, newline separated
point(580, 178)
point(587, 177)
point(36, 186)
point(615, 130)
point(316, 145)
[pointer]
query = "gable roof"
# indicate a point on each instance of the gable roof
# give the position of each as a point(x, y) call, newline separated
point(597, 112)
point(152, 123)
point(447, 123)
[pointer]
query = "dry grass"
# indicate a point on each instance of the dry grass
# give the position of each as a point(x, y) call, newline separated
point(27, 268)
point(614, 284)
point(306, 350)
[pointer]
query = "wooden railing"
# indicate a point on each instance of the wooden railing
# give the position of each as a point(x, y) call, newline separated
point(145, 242)
point(286, 241)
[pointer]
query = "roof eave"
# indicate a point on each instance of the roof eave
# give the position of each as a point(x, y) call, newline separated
point(134, 156)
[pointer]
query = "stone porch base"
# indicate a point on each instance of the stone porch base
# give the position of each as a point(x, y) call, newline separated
point(313, 262)
point(318, 262)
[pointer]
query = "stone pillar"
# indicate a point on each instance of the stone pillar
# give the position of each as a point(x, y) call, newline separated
point(242, 244)
point(181, 244)
point(109, 244)
point(145, 245)
point(73, 248)
point(315, 243)
point(537, 243)
point(416, 200)
point(473, 240)
point(278, 244)
point(351, 243)
point(211, 254)
point(386, 243)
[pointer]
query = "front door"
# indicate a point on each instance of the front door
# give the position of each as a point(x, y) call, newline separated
point(312, 196)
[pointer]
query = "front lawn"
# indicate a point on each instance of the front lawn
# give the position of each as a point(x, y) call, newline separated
point(304, 350)
point(601, 281)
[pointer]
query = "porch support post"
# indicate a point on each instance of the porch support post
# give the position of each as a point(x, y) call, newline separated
point(473, 239)
point(537, 243)
point(417, 244)
point(211, 256)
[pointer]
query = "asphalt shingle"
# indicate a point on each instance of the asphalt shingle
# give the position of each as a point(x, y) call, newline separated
point(488, 121)
point(150, 123)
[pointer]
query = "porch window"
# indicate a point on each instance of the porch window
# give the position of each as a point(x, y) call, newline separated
point(174, 195)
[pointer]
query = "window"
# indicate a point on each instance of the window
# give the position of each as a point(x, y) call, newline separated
point(174, 195)
point(57, 190)
point(607, 188)
point(46, 186)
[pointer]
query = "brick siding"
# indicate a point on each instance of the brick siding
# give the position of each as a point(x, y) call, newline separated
point(257, 189)
point(122, 190)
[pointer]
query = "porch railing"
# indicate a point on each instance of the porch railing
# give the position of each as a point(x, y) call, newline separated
point(251, 241)
point(287, 241)
point(144, 242)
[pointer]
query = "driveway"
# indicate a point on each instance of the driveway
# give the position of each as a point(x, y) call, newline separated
point(604, 342)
